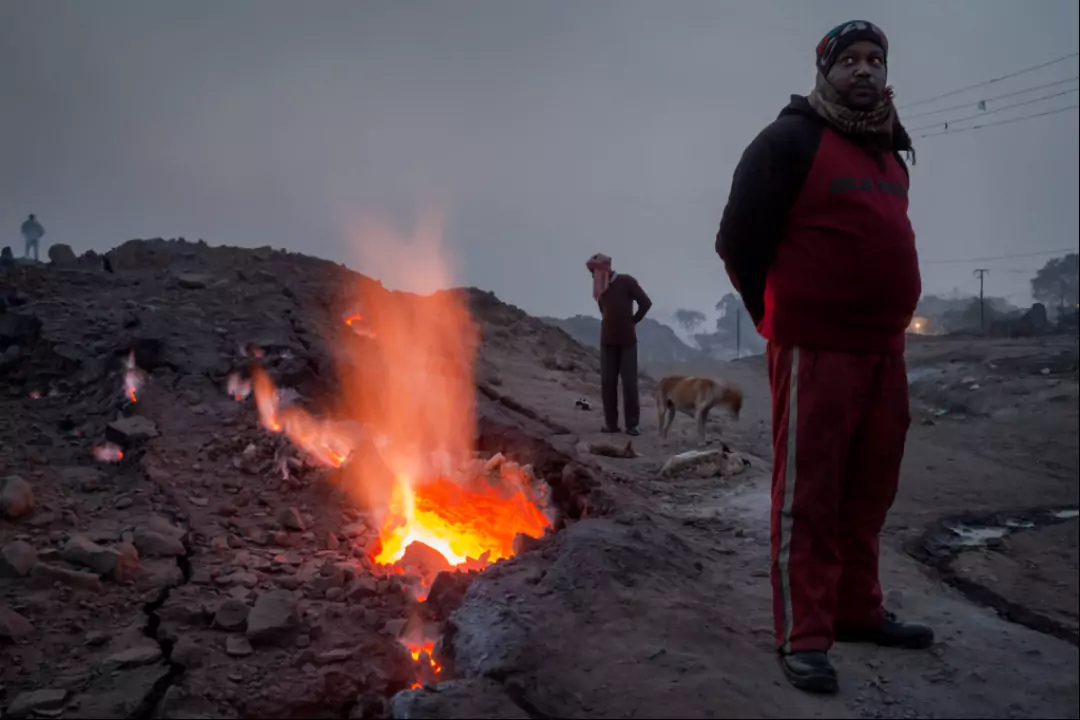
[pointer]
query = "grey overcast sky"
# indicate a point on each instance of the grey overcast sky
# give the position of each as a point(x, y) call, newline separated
point(544, 131)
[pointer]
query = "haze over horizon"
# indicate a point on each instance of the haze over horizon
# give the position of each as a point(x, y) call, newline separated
point(535, 134)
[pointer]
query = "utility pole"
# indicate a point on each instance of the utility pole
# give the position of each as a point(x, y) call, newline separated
point(738, 333)
point(981, 273)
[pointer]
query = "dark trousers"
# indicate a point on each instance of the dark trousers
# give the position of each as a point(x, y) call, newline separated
point(619, 361)
point(839, 426)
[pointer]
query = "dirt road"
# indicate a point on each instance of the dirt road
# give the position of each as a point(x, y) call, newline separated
point(662, 610)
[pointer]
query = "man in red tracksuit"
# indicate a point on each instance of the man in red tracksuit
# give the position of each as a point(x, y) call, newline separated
point(816, 238)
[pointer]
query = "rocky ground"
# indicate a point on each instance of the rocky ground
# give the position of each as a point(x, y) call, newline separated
point(192, 578)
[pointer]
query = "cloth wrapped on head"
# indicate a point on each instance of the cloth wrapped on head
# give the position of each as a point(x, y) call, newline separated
point(600, 267)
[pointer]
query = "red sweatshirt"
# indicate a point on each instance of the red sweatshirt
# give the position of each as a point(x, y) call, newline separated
point(816, 238)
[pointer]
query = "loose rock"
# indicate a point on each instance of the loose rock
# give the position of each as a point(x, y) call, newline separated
point(478, 697)
point(61, 254)
point(16, 497)
point(193, 281)
point(138, 655)
point(50, 573)
point(273, 618)
point(232, 615)
point(17, 559)
point(130, 430)
point(187, 653)
point(290, 519)
point(236, 646)
point(49, 701)
point(156, 544)
point(120, 563)
point(128, 568)
point(362, 587)
point(13, 626)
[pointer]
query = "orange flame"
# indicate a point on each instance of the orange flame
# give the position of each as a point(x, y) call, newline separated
point(238, 387)
point(132, 377)
point(426, 665)
point(421, 395)
point(413, 388)
point(359, 325)
point(107, 452)
point(463, 523)
point(320, 439)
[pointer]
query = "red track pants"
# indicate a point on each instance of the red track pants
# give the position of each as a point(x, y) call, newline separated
point(839, 425)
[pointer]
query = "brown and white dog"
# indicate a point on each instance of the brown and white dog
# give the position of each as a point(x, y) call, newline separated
point(693, 396)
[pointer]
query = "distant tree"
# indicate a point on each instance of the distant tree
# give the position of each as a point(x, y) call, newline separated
point(689, 319)
point(1057, 284)
point(974, 316)
point(728, 306)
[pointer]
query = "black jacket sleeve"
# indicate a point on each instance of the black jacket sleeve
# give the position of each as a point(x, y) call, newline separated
point(643, 302)
point(765, 185)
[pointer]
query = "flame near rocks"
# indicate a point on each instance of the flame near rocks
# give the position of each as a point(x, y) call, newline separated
point(414, 393)
point(133, 377)
point(108, 452)
point(421, 405)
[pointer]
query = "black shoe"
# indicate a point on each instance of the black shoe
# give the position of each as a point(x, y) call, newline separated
point(610, 430)
point(810, 672)
point(633, 431)
point(890, 633)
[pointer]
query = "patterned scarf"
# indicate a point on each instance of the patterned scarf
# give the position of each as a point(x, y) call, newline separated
point(600, 267)
point(879, 126)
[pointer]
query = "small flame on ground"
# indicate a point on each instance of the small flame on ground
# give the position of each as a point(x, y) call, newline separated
point(35, 394)
point(427, 668)
point(132, 377)
point(320, 439)
point(238, 387)
point(108, 452)
point(359, 325)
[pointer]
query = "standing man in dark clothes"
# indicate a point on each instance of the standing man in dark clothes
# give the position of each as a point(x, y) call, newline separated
point(32, 232)
point(616, 294)
point(816, 238)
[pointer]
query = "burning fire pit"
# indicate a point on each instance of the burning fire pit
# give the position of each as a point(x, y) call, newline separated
point(402, 440)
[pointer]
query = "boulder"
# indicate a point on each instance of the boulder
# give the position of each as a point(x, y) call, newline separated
point(61, 254)
point(16, 496)
point(273, 619)
point(49, 702)
point(13, 626)
point(17, 559)
point(130, 430)
point(232, 615)
point(152, 543)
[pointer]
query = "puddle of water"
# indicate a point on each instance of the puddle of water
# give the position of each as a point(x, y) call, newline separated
point(974, 535)
point(977, 535)
point(924, 373)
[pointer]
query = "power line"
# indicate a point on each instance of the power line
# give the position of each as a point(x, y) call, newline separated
point(991, 99)
point(998, 257)
point(990, 81)
point(998, 122)
point(1010, 106)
